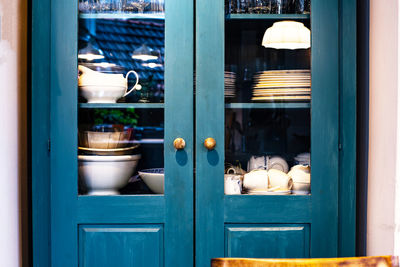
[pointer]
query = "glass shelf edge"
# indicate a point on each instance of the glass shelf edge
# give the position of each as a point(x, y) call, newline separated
point(268, 105)
point(119, 15)
point(267, 16)
point(122, 105)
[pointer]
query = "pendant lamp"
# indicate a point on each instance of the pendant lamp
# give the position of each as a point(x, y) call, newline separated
point(144, 53)
point(287, 35)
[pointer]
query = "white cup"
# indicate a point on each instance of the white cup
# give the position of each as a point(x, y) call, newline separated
point(233, 184)
point(256, 179)
point(279, 180)
point(267, 162)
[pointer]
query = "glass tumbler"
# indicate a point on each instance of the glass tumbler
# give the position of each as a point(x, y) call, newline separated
point(157, 6)
point(261, 7)
point(84, 6)
point(277, 6)
point(300, 6)
point(290, 6)
point(105, 5)
point(307, 6)
point(241, 6)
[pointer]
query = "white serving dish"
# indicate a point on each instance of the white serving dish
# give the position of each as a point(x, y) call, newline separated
point(102, 93)
point(98, 87)
point(104, 175)
point(154, 179)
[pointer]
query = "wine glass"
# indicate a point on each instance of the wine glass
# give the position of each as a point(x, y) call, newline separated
point(140, 5)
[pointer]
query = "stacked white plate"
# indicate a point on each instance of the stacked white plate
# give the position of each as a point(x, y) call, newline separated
point(282, 85)
point(303, 159)
point(268, 192)
point(230, 79)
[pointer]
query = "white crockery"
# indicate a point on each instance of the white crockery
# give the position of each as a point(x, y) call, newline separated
point(279, 179)
point(267, 162)
point(233, 184)
point(154, 179)
point(278, 163)
point(104, 175)
point(301, 188)
point(97, 87)
point(256, 179)
point(301, 179)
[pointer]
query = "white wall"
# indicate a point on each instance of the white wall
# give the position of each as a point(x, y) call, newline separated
point(13, 137)
point(384, 130)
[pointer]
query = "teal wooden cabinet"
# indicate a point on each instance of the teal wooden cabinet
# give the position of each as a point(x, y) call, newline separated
point(237, 103)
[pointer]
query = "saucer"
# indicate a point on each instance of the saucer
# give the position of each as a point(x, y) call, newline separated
point(271, 193)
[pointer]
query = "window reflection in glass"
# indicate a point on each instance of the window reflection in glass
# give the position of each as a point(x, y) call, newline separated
point(267, 107)
point(121, 95)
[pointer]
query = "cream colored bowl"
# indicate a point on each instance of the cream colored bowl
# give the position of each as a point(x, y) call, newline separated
point(104, 140)
point(154, 179)
point(104, 175)
point(102, 93)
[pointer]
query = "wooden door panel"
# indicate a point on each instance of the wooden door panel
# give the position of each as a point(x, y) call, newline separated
point(267, 241)
point(121, 246)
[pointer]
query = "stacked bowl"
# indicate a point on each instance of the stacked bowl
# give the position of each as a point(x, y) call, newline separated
point(105, 161)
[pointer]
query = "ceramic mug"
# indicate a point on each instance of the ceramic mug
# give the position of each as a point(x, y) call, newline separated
point(279, 180)
point(233, 184)
point(256, 179)
point(235, 170)
point(267, 162)
point(301, 179)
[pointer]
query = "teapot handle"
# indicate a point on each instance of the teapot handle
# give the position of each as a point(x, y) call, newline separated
point(137, 81)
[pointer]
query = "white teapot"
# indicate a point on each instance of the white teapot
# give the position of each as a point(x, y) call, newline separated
point(98, 87)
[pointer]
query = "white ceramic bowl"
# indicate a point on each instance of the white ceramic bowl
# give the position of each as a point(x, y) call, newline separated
point(102, 93)
point(104, 175)
point(301, 188)
point(154, 179)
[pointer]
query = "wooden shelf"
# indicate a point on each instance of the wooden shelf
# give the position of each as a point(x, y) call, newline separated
point(122, 105)
point(268, 105)
point(267, 16)
point(121, 15)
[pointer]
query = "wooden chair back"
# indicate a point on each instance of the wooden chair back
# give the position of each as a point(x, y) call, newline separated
point(379, 261)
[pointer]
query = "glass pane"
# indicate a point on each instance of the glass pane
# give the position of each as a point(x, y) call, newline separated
point(267, 6)
point(267, 102)
point(121, 97)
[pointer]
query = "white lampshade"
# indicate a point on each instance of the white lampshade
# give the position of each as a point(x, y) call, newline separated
point(90, 52)
point(144, 53)
point(287, 35)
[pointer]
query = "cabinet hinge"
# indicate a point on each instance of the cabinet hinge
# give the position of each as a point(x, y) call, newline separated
point(49, 145)
point(340, 147)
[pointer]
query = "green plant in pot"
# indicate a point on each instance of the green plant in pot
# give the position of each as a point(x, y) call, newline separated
point(116, 117)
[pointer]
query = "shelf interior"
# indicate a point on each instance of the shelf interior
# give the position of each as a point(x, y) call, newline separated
point(121, 105)
point(228, 105)
point(122, 15)
point(267, 16)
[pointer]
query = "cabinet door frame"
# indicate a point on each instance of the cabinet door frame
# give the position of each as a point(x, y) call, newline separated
point(333, 136)
point(57, 209)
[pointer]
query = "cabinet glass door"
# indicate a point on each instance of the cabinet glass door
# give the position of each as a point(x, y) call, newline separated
point(122, 82)
point(121, 55)
point(266, 109)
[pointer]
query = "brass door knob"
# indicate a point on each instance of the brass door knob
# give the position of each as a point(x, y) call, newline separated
point(210, 143)
point(179, 143)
